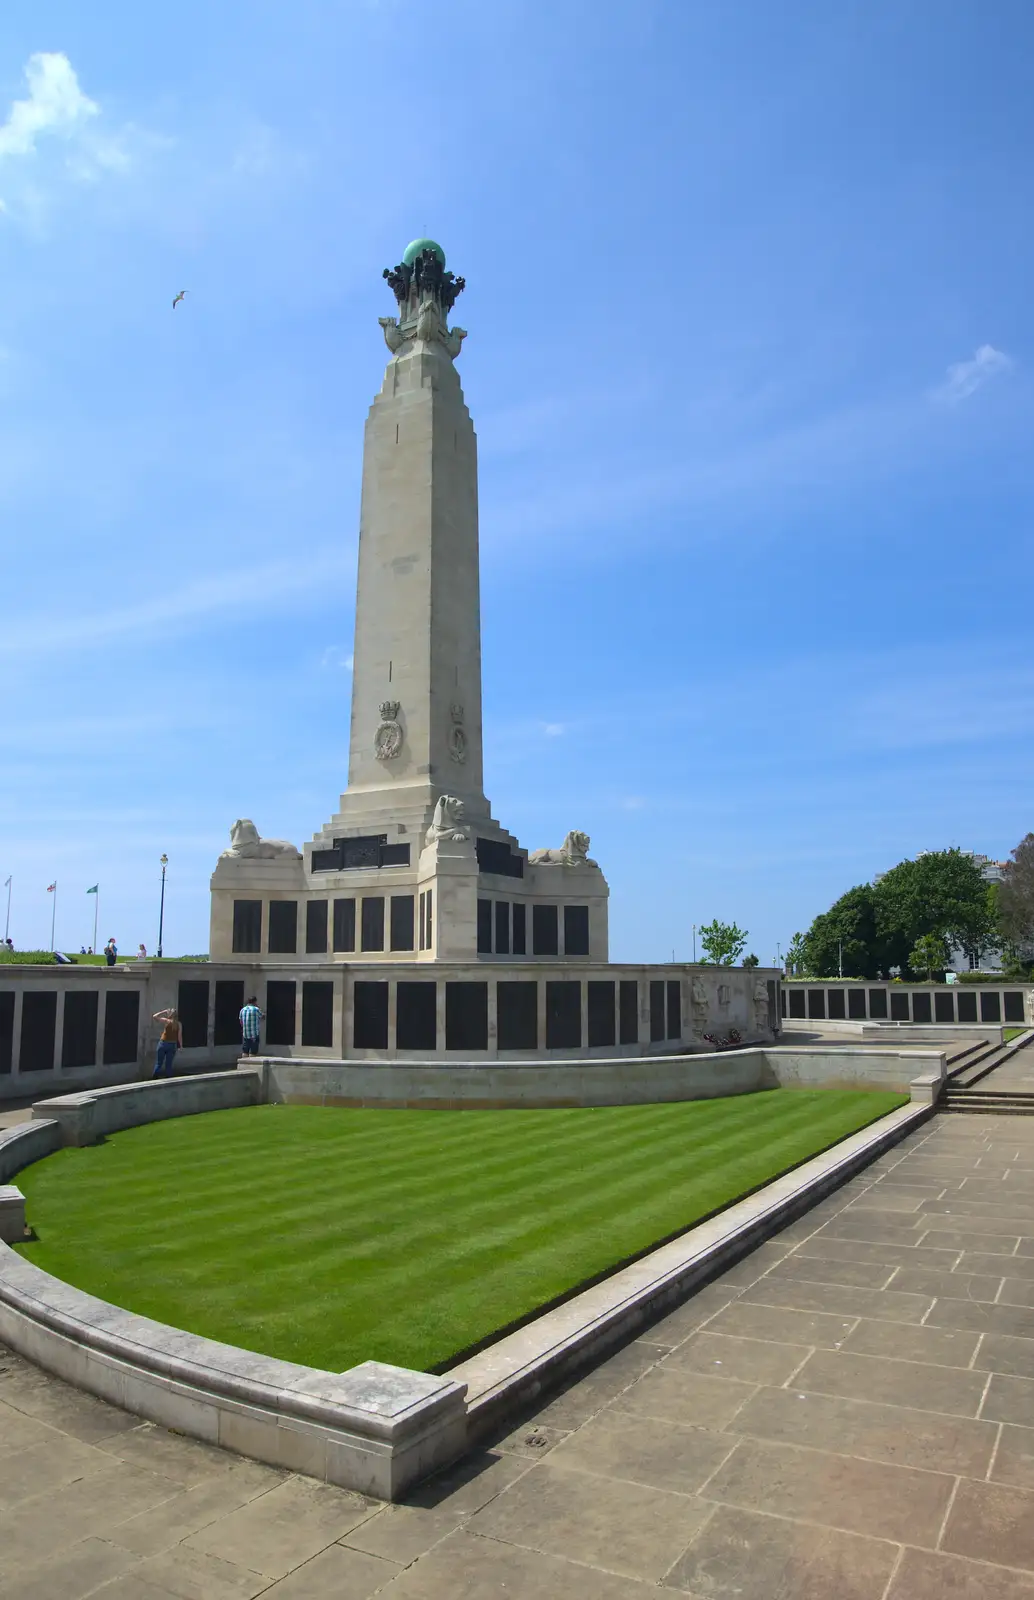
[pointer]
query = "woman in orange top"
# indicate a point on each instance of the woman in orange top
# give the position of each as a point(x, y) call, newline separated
point(168, 1044)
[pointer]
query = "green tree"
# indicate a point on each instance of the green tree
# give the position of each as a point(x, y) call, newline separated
point(929, 954)
point(1016, 899)
point(941, 892)
point(846, 933)
point(751, 961)
point(796, 960)
point(723, 943)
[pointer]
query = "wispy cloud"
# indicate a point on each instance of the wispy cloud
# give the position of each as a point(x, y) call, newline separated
point(250, 592)
point(964, 378)
point(56, 114)
point(334, 656)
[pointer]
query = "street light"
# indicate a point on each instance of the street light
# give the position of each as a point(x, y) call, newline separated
point(161, 914)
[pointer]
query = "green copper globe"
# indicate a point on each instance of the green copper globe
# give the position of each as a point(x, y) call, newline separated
point(411, 251)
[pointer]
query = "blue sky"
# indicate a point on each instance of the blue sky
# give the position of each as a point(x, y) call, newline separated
point(750, 363)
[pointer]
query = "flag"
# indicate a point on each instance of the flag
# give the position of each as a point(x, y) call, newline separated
point(52, 886)
point(94, 889)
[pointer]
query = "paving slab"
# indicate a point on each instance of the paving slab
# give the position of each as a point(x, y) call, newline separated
point(847, 1411)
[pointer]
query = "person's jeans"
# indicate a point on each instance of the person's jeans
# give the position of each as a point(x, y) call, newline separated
point(249, 1047)
point(164, 1056)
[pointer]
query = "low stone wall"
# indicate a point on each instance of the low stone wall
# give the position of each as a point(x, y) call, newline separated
point(86, 1117)
point(468, 1085)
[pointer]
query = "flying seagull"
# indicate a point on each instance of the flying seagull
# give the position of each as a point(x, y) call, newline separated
point(178, 298)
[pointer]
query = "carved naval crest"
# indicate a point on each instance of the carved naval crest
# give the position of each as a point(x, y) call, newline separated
point(387, 741)
point(457, 734)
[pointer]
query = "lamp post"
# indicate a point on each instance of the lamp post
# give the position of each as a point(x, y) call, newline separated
point(694, 943)
point(161, 914)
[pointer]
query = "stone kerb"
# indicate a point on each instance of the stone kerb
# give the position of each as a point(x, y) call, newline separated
point(85, 1117)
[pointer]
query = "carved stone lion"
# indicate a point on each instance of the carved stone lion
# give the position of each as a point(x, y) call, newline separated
point(245, 844)
point(447, 824)
point(574, 852)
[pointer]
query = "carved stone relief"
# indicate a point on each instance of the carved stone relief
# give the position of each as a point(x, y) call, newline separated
point(387, 741)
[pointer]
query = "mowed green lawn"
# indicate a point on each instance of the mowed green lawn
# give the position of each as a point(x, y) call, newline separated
point(330, 1237)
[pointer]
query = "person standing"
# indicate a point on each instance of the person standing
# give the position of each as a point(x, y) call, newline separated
point(168, 1044)
point(251, 1027)
point(111, 951)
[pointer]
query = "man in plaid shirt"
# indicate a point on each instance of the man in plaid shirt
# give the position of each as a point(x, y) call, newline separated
point(251, 1023)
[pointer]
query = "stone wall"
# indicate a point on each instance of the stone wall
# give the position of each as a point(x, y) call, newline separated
point(918, 1003)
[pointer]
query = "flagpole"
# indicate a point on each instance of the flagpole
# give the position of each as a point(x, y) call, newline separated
point(53, 918)
point(7, 926)
point(96, 908)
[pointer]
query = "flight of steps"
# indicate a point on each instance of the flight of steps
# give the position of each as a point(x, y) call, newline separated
point(968, 1089)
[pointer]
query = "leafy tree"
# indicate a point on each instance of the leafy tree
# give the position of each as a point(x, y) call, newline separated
point(846, 931)
point(723, 943)
point(796, 963)
point(942, 892)
point(1016, 898)
point(751, 961)
point(929, 954)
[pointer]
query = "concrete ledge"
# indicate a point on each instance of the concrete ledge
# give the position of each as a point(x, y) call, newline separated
point(376, 1428)
point(86, 1117)
point(12, 1214)
point(25, 1143)
point(495, 1085)
point(506, 1376)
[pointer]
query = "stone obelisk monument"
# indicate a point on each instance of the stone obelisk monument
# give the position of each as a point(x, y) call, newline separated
point(412, 864)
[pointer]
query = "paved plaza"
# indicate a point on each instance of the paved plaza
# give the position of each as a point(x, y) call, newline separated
point(849, 1413)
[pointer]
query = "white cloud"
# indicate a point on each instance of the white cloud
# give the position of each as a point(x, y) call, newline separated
point(334, 656)
point(55, 105)
point(554, 730)
point(963, 378)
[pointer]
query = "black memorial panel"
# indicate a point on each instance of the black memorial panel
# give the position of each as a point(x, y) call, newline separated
point(79, 1033)
point(674, 1012)
point(484, 927)
point(520, 928)
point(990, 1006)
point(226, 1020)
point(899, 1006)
point(836, 1004)
point(316, 928)
point(967, 1006)
point(192, 1005)
point(628, 1011)
point(373, 922)
point(856, 1003)
point(121, 1028)
point(466, 1016)
point(6, 1031)
point(247, 927)
point(798, 1001)
point(921, 1009)
point(402, 922)
point(502, 927)
point(344, 924)
point(283, 927)
point(370, 1016)
point(39, 1022)
point(816, 1002)
point(495, 855)
point(517, 1015)
point(368, 850)
point(545, 931)
point(416, 1016)
point(601, 1018)
point(563, 1016)
point(656, 1010)
point(576, 930)
point(280, 1006)
point(318, 1014)
point(944, 1007)
point(877, 1003)
point(1013, 1001)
